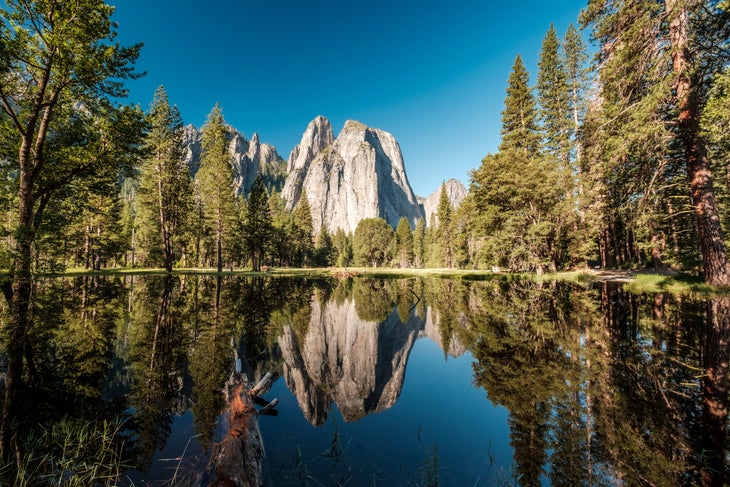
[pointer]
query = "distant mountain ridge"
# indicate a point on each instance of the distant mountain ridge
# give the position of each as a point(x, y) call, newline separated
point(359, 174)
point(250, 159)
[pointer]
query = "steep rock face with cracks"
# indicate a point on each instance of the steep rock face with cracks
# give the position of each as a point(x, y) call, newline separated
point(250, 159)
point(358, 175)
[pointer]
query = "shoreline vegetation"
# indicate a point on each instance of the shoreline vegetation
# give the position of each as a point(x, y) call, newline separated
point(638, 281)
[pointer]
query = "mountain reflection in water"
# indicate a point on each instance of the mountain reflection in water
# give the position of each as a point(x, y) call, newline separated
point(513, 383)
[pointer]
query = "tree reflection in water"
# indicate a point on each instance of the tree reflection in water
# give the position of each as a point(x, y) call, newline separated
point(601, 385)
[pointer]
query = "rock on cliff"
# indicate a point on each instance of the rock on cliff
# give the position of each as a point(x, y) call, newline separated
point(249, 158)
point(358, 175)
point(456, 192)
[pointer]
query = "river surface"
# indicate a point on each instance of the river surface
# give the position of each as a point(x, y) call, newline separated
point(382, 382)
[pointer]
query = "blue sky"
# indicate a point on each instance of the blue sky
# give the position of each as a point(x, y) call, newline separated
point(431, 73)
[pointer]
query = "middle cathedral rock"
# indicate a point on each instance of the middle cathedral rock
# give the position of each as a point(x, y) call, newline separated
point(358, 175)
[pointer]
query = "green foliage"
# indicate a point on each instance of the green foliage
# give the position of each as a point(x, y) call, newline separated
point(517, 214)
point(404, 243)
point(165, 195)
point(215, 185)
point(323, 249)
point(77, 215)
point(372, 242)
point(519, 117)
point(301, 231)
point(716, 129)
point(517, 199)
point(443, 230)
point(257, 226)
point(419, 244)
point(637, 144)
point(59, 71)
point(552, 90)
point(342, 244)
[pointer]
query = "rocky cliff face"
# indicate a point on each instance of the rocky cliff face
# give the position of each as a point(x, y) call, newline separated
point(359, 365)
point(250, 159)
point(358, 175)
point(456, 193)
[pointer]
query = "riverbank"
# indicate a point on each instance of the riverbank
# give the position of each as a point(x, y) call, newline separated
point(637, 281)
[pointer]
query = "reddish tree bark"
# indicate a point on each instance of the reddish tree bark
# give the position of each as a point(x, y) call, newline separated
point(711, 240)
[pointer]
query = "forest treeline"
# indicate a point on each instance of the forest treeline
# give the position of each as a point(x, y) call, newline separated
point(603, 161)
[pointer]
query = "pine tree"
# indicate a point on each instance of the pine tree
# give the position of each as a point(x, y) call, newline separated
point(323, 248)
point(404, 242)
point(419, 244)
point(56, 57)
point(372, 242)
point(257, 227)
point(301, 231)
point(215, 182)
point(280, 221)
point(552, 91)
point(516, 194)
point(342, 244)
point(519, 117)
point(716, 130)
point(443, 229)
point(165, 191)
point(575, 58)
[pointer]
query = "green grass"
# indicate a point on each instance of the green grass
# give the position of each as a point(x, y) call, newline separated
point(674, 284)
point(69, 452)
point(636, 282)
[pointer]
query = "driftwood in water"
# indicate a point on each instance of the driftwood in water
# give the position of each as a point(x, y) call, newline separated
point(237, 458)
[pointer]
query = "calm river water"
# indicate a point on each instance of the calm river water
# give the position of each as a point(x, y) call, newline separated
point(381, 382)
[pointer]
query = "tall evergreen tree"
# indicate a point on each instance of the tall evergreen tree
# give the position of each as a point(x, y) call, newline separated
point(215, 182)
point(552, 97)
point(323, 249)
point(166, 190)
point(519, 117)
point(301, 231)
point(280, 218)
point(342, 243)
point(516, 193)
point(404, 242)
point(257, 225)
point(445, 244)
point(575, 58)
point(419, 244)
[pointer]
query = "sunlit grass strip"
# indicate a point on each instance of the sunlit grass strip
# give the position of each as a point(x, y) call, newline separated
point(674, 284)
point(635, 282)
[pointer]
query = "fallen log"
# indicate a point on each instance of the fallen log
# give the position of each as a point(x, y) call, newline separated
point(236, 459)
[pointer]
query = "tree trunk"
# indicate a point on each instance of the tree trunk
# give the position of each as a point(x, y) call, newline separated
point(164, 232)
point(237, 458)
point(20, 299)
point(711, 240)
